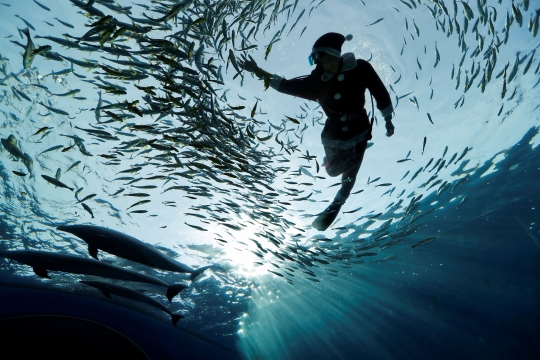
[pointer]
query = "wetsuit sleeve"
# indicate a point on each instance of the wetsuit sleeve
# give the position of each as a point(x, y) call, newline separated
point(303, 87)
point(378, 90)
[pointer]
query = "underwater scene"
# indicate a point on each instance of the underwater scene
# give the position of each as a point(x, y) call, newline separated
point(163, 173)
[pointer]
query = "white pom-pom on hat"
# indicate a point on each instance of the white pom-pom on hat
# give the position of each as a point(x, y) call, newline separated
point(348, 37)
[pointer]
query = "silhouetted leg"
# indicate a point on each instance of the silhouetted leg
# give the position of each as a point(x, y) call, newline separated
point(348, 178)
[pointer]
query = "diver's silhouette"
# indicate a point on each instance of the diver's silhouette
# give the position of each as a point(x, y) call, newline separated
point(338, 84)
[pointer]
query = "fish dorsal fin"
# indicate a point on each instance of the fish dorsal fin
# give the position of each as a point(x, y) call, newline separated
point(41, 272)
point(175, 318)
point(93, 251)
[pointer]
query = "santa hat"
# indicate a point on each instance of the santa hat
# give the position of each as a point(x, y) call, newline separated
point(331, 43)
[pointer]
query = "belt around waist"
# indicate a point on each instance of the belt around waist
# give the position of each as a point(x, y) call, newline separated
point(345, 144)
point(345, 117)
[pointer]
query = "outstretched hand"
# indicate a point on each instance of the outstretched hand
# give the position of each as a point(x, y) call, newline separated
point(389, 128)
point(248, 65)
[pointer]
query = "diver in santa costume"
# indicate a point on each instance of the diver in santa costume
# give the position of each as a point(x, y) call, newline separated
point(338, 84)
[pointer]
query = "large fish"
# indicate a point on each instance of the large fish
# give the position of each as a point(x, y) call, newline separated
point(42, 262)
point(29, 163)
point(107, 289)
point(28, 55)
point(127, 247)
point(10, 144)
point(56, 182)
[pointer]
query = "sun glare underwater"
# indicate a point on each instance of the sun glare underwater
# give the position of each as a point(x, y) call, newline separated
point(145, 175)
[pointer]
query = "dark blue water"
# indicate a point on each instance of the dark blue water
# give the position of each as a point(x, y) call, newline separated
point(473, 293)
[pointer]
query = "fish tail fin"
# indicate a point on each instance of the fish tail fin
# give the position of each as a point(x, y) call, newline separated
point(26, 32)
point(198, 272)
point(173, 290)
point(175, 318)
